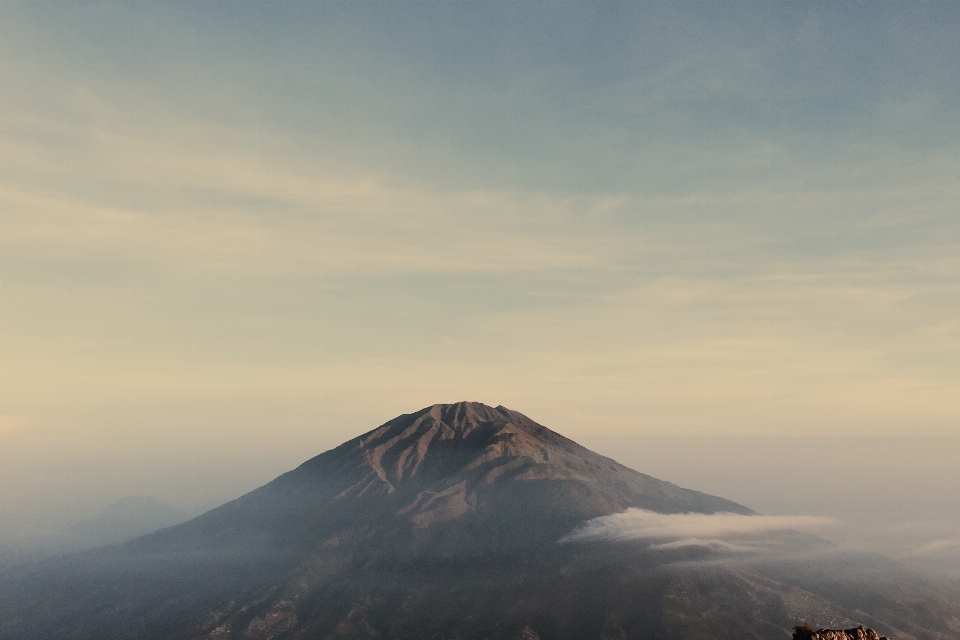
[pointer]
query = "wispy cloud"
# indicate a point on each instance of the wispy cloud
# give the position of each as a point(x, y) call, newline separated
point(716, 544)
point(943, 544)
point(10, 423)
point(689, 529)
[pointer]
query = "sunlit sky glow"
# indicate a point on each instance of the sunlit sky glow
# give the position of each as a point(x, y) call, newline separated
point(233, 235)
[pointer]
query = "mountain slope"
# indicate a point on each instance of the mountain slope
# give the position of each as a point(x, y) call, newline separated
point(442, 523)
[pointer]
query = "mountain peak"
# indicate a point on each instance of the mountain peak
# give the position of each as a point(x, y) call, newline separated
point(464, 413)
point(449, 479)
point(449, 439)
point(455, 471)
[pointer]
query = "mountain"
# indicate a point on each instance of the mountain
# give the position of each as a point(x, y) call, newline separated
point(446, 523)
point(124, 519)
point(451, 479)
point(127, 518)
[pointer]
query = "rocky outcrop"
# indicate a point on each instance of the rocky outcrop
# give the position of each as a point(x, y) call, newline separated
point(859, 633)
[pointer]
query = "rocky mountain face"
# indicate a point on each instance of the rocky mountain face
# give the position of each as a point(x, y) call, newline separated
point(445, 523)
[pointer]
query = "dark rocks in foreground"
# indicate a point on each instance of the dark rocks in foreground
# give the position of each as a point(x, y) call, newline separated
point(859, 633)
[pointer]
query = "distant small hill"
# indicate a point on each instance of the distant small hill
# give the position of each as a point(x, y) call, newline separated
point(125, 519)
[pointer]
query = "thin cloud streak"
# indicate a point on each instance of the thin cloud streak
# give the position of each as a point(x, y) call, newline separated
point(640, 524)
point(937, 545)
point(716, 544)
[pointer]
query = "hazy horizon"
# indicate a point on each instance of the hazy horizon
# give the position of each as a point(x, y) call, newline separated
point(719, 243)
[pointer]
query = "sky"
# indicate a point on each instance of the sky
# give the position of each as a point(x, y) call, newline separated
point(234, 235)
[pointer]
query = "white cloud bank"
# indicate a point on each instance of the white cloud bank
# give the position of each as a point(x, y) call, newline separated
point(689, 529)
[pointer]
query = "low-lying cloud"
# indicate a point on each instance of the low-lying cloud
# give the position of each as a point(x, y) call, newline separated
point(690, 529)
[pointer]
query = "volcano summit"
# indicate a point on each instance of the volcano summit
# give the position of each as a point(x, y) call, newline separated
point(451, 479)
point(444, 523)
